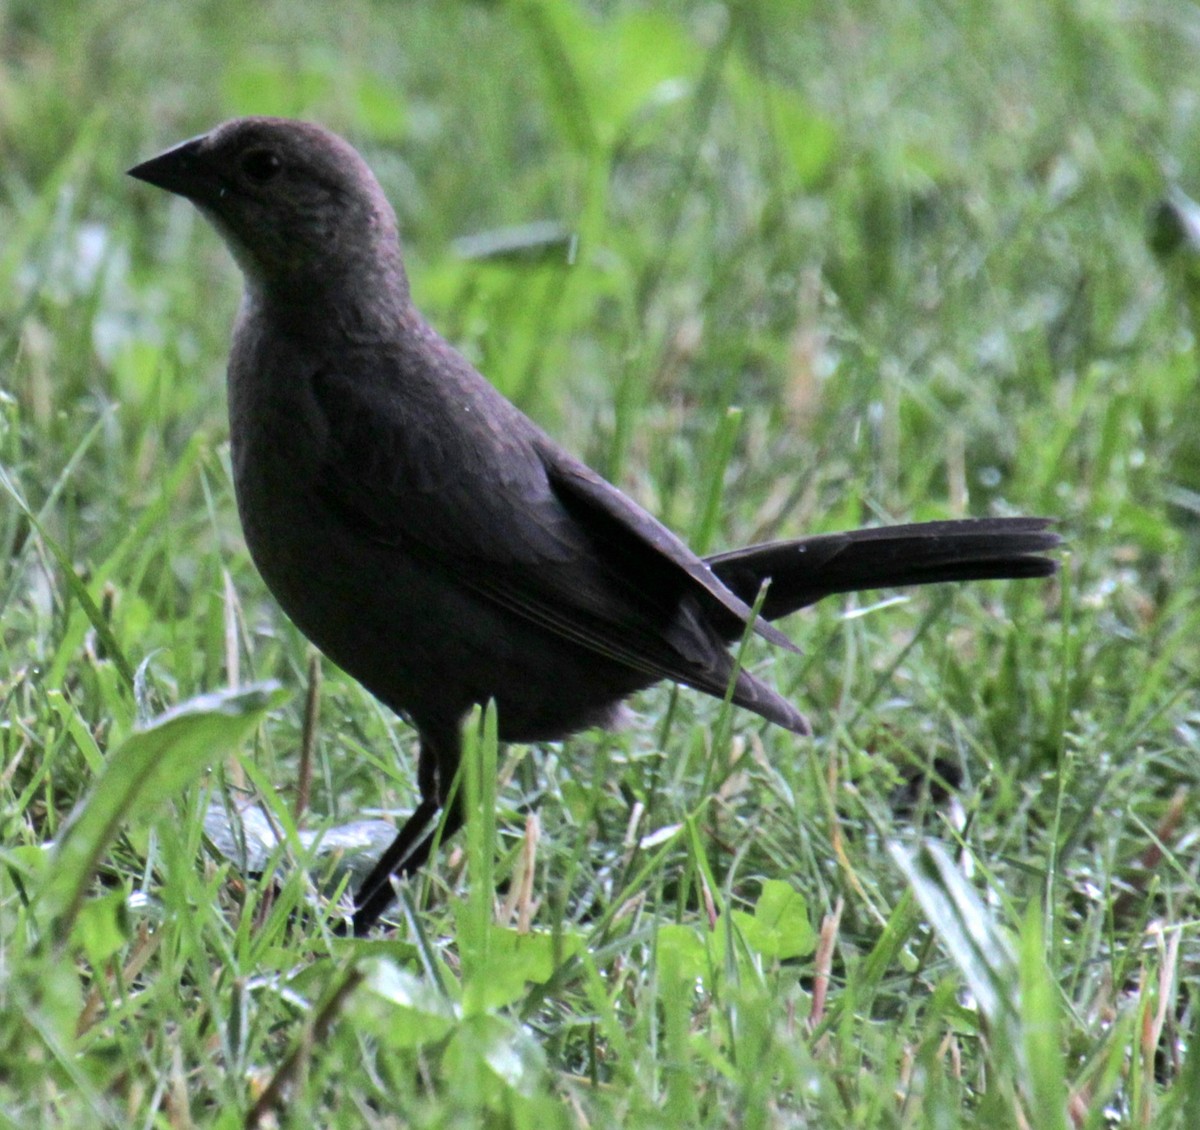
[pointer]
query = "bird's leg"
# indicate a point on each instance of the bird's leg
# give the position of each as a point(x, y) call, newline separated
point(436, 768)
point(453, 818)
point(375, 893)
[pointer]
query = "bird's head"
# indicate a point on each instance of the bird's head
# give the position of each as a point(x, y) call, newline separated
point(298, 207)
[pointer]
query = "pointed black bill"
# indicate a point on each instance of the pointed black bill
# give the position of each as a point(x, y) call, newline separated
point(181, 169)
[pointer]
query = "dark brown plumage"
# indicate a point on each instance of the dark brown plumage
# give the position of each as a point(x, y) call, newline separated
point(429, 538)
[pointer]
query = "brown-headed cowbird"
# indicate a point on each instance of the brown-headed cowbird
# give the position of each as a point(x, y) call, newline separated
point(429, 538)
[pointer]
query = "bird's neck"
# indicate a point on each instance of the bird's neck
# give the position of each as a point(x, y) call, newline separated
point(363, 306)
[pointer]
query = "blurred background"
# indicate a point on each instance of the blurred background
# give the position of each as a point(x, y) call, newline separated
point(857, 222)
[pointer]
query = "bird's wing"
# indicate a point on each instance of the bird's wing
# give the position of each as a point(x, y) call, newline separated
point(601, 507)
point(441, 467)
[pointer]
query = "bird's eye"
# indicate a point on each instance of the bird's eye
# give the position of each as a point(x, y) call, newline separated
point(261, 165)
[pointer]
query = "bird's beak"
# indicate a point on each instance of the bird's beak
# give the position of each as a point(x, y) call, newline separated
point(181, 169)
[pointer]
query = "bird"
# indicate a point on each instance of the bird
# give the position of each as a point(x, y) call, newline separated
point(435, 543)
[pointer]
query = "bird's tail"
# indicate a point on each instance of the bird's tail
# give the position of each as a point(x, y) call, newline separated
point(923, 553)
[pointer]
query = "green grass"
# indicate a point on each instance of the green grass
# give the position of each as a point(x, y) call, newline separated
point(836, 264)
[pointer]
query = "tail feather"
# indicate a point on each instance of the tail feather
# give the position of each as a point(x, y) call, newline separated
point(923, 553)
